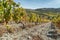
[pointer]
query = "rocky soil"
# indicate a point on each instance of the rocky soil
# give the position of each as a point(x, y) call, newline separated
point(37, 32)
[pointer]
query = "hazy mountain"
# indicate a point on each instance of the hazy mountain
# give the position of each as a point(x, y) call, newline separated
point(44, 10)
point(48, 10)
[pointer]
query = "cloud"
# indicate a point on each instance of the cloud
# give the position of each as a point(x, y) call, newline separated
point(51, 4)
point(54, 3)
point(40, 3)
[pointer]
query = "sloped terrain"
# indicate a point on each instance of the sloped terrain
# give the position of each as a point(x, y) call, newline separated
point(38, 32)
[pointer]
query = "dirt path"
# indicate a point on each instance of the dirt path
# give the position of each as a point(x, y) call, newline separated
point(27, 34)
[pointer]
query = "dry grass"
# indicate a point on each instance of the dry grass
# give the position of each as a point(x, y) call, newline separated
point(37, 37)
point(11, 30)
point(2, 30)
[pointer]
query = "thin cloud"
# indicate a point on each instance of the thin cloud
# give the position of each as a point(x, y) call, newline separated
point(39, 3)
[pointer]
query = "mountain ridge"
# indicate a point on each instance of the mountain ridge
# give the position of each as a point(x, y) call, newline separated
point(44, 10)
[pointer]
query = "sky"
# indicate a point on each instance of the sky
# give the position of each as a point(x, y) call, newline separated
point(33, 4)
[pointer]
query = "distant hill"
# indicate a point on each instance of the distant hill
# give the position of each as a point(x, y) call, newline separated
point(48, 13)
point(44, 10)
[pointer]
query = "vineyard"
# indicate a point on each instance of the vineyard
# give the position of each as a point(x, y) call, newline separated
point(14, 18)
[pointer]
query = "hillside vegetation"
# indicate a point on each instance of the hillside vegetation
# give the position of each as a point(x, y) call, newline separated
point(51, 14)
point(12, 13)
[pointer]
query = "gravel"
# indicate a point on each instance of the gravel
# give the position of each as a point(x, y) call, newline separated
point(38, 32)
